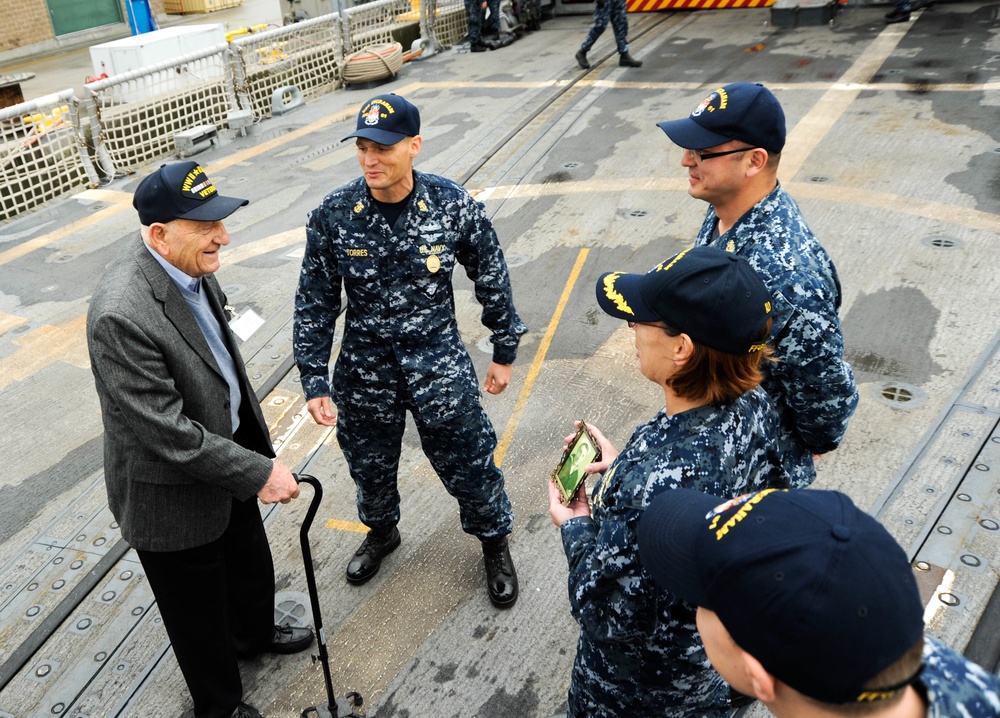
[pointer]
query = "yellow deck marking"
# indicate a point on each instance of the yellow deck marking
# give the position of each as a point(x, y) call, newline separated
point(46, 239)
point(918, 207)
point(234, 255)
point(536, 363)
point(801, 141)
point(822, 116)
point(925, 208)
point(123, 200)
point(46, 346)
point(840, 86)
point(346, 526)
point(9, 321)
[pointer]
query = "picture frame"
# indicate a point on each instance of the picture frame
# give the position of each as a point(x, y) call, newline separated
point(569, 473)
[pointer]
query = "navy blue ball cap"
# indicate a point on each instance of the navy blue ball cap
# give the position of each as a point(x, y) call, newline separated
point(714, 297)
point(804, 581)
point(181, 191)
point(387, 119)
point(743, 111)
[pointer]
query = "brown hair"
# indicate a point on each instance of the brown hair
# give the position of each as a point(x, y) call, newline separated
point(718, 377)
point(903, 670)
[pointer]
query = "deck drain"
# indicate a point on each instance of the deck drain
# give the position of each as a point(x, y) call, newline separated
point(819, 179)
point(572, 165)
point(942, 242)
point(637, 213)
point(291, 608)
point(899, 395)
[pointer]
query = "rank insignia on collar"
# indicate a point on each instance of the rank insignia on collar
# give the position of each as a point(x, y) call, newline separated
point(731, 246)
point(359, 207)
point(422, 206)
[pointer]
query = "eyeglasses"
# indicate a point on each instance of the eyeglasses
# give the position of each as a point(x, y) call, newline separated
point(702, 156)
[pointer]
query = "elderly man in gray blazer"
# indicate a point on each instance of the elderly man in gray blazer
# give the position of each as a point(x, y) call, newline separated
point(186, 448)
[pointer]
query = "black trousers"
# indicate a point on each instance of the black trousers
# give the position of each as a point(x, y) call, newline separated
point(217, 604)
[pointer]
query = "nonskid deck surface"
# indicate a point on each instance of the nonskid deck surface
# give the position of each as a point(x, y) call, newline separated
point(893, 156)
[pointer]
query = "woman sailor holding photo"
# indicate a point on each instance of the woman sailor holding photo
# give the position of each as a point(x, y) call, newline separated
point(701, 321)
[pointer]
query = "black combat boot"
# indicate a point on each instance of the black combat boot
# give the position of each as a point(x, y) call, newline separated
point(626, 60)
point(376, 546)
point(501, 578)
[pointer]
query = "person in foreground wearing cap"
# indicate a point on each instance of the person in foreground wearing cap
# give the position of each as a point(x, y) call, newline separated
point(700, 321)
point(392, 239)
point(186, 449)
point(732, 144)
point(807, 603)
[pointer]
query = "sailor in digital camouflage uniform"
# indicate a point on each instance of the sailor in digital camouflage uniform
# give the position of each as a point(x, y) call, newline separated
point(615, 12)
point(392, 239)
point(732, 142)
point(638, 653)
point(808, 603)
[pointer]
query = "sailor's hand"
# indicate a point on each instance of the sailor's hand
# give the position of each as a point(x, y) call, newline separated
point(321, 410)
point(497, 378)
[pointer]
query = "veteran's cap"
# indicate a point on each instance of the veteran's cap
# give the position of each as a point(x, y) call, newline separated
point(181, 191)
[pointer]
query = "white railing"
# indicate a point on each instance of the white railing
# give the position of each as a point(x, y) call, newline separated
point(59, 143)
point(40, 153)
point(443, 22)
point(139, 112)
point(373, 23)
point(306, 54)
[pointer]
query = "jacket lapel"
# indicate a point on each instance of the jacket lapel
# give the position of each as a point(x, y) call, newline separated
point(175, 308)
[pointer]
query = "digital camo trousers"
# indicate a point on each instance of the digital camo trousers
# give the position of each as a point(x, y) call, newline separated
point(460, 450)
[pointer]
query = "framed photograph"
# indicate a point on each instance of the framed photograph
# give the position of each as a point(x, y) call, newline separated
point(569, 474)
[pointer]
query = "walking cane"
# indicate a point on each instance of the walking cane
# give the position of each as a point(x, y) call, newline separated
point(334, 707)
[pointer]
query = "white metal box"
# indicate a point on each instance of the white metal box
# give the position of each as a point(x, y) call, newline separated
point(151, 48)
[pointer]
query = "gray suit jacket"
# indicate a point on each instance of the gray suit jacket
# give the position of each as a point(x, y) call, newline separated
point(171, 465)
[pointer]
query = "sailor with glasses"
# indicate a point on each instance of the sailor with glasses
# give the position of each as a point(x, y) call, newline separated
point(732, 145)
